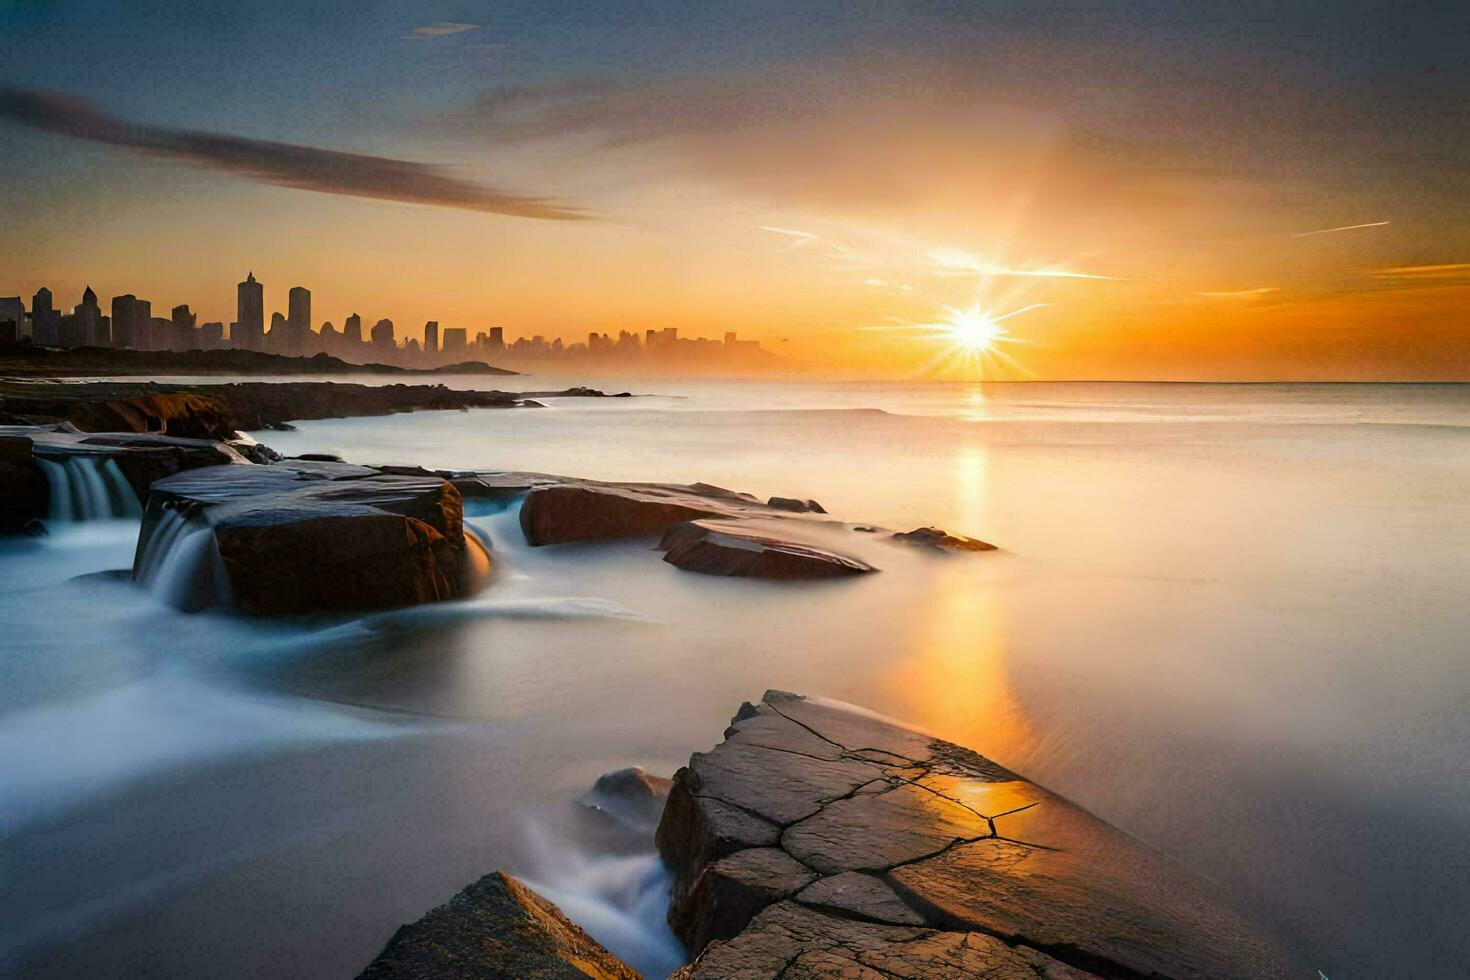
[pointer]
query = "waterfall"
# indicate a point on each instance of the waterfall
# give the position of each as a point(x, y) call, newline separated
point(88, 488)
point(181, 564)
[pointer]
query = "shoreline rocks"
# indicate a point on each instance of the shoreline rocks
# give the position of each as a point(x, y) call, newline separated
point(728, 548)
point(317, 536)
point(925, 859)
point(495, 929)
point(218, 411)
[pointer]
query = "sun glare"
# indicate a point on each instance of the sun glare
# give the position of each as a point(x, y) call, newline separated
point(973, 331)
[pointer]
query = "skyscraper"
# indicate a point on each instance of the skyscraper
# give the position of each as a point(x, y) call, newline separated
point(299, 317)
point(352, 332)
point(383, 334)
point(92, 327)
point(497, 338)
point(143, 325)
point(124, 315)
point(43, 318)
point(454, 340)
point(431, 338)
point(250, 315)
point(184, 335)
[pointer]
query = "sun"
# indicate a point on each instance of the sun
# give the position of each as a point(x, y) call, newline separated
point(972, 331)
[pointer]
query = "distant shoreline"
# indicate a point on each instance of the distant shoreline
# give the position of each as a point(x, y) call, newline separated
point(27, 361)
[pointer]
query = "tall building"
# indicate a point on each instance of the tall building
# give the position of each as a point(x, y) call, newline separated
point(185, 335)
point(249, 315)
point(92, 328)
point(299, 317)
point(143, 325)
point(43, 318)
point(13, 312)
point(124, 315)
point(211, 335)
point(383, 334)
point(497, 338)
point(431, 338)
point(352, 332)
point(327, 338)
point(454, 340)
point(278, 340)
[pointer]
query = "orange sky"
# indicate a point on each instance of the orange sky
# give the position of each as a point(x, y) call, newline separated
point(1164, 210)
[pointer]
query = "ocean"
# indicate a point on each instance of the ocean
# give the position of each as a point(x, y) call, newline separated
point(1231, 619)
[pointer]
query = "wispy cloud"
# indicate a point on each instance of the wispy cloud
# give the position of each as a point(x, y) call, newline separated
point(441, 29)
point(1330, 231)
point(282, 164)
point(1237, 293)
point(956, 262)
point(798, 238)
point(1445, 270)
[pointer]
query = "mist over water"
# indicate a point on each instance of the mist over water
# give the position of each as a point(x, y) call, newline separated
point(1229, 619)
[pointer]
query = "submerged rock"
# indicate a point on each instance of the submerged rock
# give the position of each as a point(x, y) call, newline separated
point(796, 506)
point(630, 797)
point(726, 548)
point(308, 536)
point(933, 537)
point(823, 840)
point(496, 929)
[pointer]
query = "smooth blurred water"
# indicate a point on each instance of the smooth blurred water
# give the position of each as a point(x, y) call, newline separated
point(1230, 619)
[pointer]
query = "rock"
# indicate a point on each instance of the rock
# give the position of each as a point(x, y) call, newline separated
point(725, 548)
point(496, 929)
point(933, 537)
point(140, 459)
point(859, 896)
point(25, 493)
point(921, 853)
point(797, 506)
point(292, 539)
point(631, 797)
point(796, 943)
point(177, 413)
point(730, 891)
point(590, 512)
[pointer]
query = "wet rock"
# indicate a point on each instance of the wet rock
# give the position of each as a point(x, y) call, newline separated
point(630, 797)
point(294, 540)
point(859, 896)
point(933, 537)
point(24, 489)
point(176, 413)
point(496, 929)
point(796, 506)
point(730, 891)
point(725, 548)
point(790, 941)
point(921, 853)
point(590, 512)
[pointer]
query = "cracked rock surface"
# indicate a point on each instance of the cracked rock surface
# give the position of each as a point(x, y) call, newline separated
point(821, 840)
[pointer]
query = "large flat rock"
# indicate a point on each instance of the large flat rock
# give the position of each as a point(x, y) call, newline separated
point(299, 537)
point(917, 857)
point(100, 475)
point(496, 929)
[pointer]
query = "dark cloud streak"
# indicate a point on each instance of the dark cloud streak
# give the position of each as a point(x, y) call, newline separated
point(282, 164)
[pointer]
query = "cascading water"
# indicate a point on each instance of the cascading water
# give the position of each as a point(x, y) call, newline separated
point(181, 564)
point(88, 488)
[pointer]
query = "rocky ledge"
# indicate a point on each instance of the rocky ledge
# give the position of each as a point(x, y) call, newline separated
point(308, 536)
point(820, 840)
point(216, 411)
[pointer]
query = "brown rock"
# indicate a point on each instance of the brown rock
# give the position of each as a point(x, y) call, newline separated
point(496, 929)
point(725, 548)
point(293, 540)
point(630, 797)
point(933, 537)
point(789, 941)
point(728, 893)
point(578, 512)
point(926, 851)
